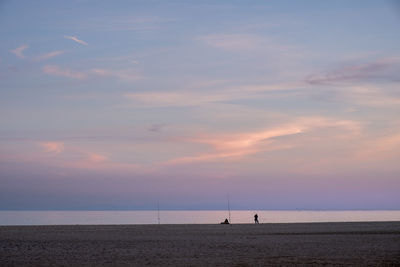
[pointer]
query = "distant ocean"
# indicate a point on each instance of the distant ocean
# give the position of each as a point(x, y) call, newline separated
point(188, 217)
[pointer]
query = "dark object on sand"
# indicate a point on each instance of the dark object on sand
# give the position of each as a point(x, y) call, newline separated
point(225, 222)
point(256, 218)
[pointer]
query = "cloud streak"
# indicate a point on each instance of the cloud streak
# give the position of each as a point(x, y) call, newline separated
point(232, 42)
point(75, 39)
point(52, 147)
point(198, 98)
point(353, 72)
point(233, 146)
point(48, 55)
point(57, 71)
point(96, 158)
point(129, 75)
point(371, 96)
point(19, 51)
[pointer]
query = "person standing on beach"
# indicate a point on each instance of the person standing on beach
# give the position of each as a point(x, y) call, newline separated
point(256, 219)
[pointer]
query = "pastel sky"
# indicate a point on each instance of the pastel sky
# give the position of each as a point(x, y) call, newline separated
point(120, 104)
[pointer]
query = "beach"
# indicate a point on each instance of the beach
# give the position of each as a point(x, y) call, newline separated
point(352, 243)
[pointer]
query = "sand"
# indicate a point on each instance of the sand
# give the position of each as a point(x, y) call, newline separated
point(361, 244)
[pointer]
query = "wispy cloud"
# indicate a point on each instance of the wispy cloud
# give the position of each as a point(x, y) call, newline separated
point(198, 97)
point(48, 55)
point(96, 158)
point(353, 72)
point(231, 146)
point(129, 75)
point(19, 51)
point(171, 99)
point(57, 71)
point(238, 145)
point(75, 39)
point(256, 45)
point(52, 147)
point(74, 157)
point(232, 42)
point(371, 96)
point(124, 23)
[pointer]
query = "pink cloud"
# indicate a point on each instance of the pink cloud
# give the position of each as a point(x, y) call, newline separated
point(353, 72)
point(48, 55)
point(98, 162)
point(129, 75)
point(373, 96)
point(199, 97)
point(232, 42)
point(247, 140)
point(96, 158)
point(233, 146)
point(19, 51)
point(238, 145)
point(75, 39)
point(57, 71)
point(53, 147)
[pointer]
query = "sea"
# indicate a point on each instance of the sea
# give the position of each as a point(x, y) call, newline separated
point(53, 217)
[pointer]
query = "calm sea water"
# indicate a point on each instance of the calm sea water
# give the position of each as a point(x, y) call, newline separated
point(188, 217)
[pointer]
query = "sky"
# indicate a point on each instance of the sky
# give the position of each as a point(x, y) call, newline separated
point(115, 105)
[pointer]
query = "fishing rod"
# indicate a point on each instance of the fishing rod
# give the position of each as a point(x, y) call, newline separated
point(229, 210)
point(158, 211)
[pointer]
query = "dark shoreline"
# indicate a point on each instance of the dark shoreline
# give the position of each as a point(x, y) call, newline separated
point(339, 243)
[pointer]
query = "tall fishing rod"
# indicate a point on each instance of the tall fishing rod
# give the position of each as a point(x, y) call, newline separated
point(229, 209)
point(158, 211)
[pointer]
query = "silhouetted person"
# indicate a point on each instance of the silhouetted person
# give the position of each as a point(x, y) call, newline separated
point(225, 222)
point(256, 218)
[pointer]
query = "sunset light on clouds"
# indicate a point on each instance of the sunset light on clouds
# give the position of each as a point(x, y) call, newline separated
point(281, 104)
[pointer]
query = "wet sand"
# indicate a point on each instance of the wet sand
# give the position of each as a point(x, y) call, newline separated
point(361, 244)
